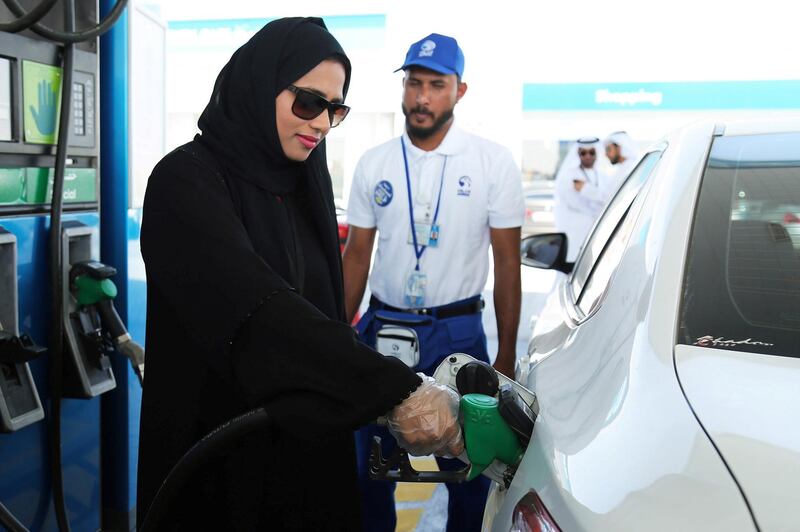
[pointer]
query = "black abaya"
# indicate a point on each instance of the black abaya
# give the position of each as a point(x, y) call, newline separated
point(245, 308)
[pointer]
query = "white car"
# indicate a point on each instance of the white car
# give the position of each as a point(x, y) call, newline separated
point(539, 200)
point(667, 361)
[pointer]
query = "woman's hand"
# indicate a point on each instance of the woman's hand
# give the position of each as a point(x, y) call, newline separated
point(427, 422)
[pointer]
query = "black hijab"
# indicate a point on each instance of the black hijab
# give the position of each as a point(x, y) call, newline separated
point(239, 128)
point(218, 249)
point(238, 125)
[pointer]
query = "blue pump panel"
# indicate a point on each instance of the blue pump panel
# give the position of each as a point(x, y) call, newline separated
point(26, 162)
point(99, 487)
point(24, 472)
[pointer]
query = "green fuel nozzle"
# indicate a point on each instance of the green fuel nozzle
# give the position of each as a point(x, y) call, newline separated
point(497, 416)
point(100, 293)
point(89, 291)
point(486, 434)
point(93, 287)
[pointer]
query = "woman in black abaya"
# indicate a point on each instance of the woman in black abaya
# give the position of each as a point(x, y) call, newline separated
point(245, 304)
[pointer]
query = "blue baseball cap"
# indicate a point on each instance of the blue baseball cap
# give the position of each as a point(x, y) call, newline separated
point(439, 53)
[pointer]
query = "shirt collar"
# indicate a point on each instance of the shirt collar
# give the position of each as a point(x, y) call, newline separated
point(453, 142)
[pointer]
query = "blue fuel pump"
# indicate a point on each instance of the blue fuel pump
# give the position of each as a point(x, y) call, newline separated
point(52, 137)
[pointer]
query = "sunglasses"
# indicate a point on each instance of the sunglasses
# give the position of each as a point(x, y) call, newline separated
point(586, 152)
point(308, 106)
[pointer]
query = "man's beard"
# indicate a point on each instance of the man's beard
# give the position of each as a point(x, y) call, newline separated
point(425, 132)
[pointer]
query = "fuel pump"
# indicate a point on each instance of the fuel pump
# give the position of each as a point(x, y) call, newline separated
point(19, 399)
point(49, 162)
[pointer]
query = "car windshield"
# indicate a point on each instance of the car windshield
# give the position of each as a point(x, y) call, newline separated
point(742, 283)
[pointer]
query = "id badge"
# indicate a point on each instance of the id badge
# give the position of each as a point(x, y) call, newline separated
point(414, 295)
point(427, 235)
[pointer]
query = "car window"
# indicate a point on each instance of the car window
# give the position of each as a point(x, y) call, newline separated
point(607, 225)
point(741, 289)
point(598, 281)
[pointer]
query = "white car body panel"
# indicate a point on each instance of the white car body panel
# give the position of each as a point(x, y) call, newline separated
point(600, 379)
point(749, 404)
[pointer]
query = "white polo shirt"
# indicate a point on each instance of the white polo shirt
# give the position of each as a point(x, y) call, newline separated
point(481, 187)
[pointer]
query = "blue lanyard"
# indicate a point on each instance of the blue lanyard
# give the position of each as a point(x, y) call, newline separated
point(419, 250)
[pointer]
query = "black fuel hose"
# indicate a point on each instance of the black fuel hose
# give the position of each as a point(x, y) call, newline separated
point(23, 22)
point(70, 35)
point(56, 357)
point(211, 445)
point(8, 520)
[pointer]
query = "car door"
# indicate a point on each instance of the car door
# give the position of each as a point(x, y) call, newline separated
point(738, 338)
point(578, 296)
point(579, 366)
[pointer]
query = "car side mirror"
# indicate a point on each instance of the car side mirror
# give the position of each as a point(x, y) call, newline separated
point(546, 251)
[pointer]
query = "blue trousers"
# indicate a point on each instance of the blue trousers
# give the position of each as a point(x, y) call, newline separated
point(466, 500)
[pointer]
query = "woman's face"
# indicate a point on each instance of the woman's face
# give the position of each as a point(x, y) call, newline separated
point(298, 136)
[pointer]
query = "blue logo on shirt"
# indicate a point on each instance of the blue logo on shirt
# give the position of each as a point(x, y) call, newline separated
point(383, 193)
point(464, 186)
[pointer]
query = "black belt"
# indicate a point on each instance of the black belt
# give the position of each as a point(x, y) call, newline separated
point(443, 312)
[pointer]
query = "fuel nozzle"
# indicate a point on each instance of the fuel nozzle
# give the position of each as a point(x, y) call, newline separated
point(497, 422)
point(93, 287)
point(497, 416)
point(486, 434)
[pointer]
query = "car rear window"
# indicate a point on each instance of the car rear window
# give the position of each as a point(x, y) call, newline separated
point(742, 284)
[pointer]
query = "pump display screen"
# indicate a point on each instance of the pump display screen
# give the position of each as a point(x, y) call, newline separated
point(5, 99)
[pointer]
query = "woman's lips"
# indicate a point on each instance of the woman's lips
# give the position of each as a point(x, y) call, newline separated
point(307, 141)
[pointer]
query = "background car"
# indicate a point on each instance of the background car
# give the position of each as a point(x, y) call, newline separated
point(667, 358)
point(539, 201)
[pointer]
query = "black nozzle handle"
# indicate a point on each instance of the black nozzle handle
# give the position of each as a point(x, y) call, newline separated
point(398, 468)
point(113, 324)
point(92, 268)
point(111, 320)
point(18, 349)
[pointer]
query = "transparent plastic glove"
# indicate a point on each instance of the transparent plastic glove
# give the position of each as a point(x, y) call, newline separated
point(427, 422)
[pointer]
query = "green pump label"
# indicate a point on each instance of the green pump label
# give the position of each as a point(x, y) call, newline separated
point(80, 185)
point(41, 102)
point(12, 186)
point(33, 186)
